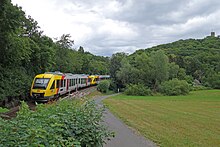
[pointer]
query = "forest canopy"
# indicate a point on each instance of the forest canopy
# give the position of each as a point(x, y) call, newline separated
point(196, 61)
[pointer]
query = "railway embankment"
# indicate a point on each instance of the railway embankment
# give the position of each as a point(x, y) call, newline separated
point(73, 95)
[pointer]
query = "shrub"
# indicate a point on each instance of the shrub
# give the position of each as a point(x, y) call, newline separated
point(213, 81)
point(103, 86)
point(174, 87)
point(137, 89)
point(200, 87)
point(2, 110)
point(63, 124)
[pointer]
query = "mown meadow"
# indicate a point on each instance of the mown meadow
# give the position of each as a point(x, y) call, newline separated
point(191, 120)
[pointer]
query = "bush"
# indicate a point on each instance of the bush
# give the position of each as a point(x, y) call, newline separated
point(3, 110)
point(137, 89)
point(200, 87)
point(174, 87)
point(213, 81)
point(103, 86)
point(63, 124)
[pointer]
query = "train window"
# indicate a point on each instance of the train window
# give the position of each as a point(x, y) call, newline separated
point(53, 85)
point(58, 83)
point(64, 83)
point(41, 83)
point(61, 83)
point(84, 81)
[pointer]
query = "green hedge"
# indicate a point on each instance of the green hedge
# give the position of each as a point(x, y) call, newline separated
point(137, 89)
point(174, 87)
point(67, 123)
point(103, 86)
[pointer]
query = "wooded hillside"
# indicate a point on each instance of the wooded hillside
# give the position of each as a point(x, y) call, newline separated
point(196, 61)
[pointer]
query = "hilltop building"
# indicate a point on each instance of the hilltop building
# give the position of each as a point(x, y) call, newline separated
point(212, 34)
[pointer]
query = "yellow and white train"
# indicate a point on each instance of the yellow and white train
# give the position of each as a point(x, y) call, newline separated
point(51, 85)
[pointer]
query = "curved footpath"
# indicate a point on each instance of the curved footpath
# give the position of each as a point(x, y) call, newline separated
point(124, 136)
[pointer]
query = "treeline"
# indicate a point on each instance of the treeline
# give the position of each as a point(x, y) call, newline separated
point(25, 52)
point(192, 61)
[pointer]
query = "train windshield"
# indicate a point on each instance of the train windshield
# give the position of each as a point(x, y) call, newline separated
point(41, 83)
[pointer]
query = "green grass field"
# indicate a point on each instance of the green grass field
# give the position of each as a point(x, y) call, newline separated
point(192, 120)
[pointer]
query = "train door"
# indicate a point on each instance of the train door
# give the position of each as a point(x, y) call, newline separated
point(58, 84)
point(67, 84)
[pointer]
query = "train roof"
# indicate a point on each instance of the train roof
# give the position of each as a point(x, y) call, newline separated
point(106, 76)
point(50, 74)
point(54, 73)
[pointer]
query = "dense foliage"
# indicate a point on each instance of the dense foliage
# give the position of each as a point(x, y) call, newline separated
point(175, 87)
point(64, 124)
point(103, 86)
point(147, 70)
point(199, 57)
point(25, 52)
point(190, 60)
point(137, 89)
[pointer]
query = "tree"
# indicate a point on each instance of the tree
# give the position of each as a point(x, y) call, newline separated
point(115, 64)
point(142, 63)
point(81, 49)
point(11, 20)
point(15, 51)
point(127, 74)
point(65, 41)
point(158, 67)
point(97, 67)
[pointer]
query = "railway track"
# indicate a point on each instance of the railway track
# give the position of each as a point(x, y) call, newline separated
point(32, 105)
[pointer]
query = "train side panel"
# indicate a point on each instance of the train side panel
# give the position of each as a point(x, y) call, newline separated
point(53, 84)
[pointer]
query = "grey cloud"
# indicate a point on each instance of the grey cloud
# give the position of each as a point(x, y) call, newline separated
point(152, 22)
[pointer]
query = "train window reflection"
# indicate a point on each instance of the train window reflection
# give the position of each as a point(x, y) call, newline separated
point(41, 83)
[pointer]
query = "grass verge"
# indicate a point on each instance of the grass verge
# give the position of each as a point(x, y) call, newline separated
point(191, 120)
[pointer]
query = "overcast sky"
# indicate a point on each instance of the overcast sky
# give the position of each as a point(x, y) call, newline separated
point(104, 27)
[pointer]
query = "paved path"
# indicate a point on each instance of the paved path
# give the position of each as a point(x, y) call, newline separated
point(124, 136)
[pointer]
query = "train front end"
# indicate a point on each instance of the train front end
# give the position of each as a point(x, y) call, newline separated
point(43, 88)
